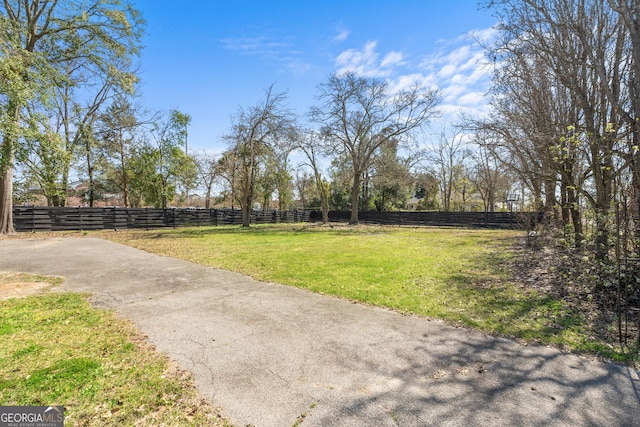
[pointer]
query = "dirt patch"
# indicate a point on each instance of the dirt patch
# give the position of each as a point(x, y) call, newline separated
point(41, 235)
point(21, 289)
point(20, 285)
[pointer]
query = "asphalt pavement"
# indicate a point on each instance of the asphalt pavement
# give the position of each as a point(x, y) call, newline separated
point(272, 355)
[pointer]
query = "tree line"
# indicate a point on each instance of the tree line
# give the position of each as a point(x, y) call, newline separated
point(566, 104)
point(561, 136)
point(566, 122)
point(68, 111)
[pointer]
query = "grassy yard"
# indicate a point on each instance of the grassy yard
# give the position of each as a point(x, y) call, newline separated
point(461, 276)
point(57, 350)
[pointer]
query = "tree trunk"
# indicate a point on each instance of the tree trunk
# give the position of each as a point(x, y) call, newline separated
point(246, 201)
point(603, 179)
point(6, 199)
point(463, 193)
point(365, 191)
point(355, 199)
point(91, 189)
point(549, 200)
point(565, 212)
point(246, 213)
point(63, 191)
point(491, 200)
point(576, 218)
point(446, 197)
point(123, 171)
point(323, 190)
point(325, 209)
point(6, 176)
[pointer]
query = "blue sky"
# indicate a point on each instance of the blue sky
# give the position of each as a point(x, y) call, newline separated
point(209, 57)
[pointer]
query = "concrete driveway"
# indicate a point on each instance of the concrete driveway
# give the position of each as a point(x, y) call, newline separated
point(272, 355)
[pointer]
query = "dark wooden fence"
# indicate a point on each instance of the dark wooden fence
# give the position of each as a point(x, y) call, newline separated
point(514, 220)
point(36, 218)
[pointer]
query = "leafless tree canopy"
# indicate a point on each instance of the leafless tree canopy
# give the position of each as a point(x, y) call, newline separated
point(256, 132)
point(359, 115)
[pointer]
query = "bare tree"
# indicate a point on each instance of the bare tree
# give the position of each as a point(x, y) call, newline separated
point(629, 10)
point(305, 186)
point(359, 115)
point(208, 170)
point(311, 144)
point(254, 132)
point(228, 167)
point(488, 178)
point(279, 159)
point(446, 160)
point(582, 47)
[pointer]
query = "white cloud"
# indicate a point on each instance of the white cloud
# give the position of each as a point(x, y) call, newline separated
point(255, 45)
point(296, 66)
point(447, 71)
point(392, 59)
point(452, 92)
point(458, 69)
point(279, 51)
point(484, 36)
point(342, 35)
point(407, 81)
point(362, 61)
point(461, 71)
point(365, 62)
point(459, 55)
point(472, 99)
point(450, 112)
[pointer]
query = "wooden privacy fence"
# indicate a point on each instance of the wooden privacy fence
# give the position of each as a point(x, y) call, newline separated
point(36, 218)
point(514, 220)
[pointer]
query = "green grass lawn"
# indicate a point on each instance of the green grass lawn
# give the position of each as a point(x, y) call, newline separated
point(57, 350)
point(458, 275)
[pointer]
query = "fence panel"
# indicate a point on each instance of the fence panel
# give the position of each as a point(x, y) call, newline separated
point(508, 220)
point(35, 218)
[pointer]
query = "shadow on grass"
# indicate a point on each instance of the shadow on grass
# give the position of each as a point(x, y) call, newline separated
point(257, 229)
point(502, 307)
point(276, 229)
point(506, 310)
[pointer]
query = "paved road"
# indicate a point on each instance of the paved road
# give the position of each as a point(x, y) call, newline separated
point(269, 353)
